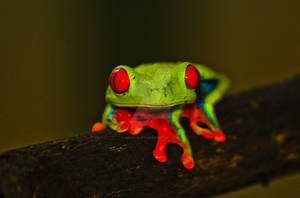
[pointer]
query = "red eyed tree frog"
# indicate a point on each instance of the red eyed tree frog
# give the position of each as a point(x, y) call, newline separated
point(157, 95)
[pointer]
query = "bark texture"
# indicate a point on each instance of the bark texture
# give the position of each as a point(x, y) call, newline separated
point(263, 141)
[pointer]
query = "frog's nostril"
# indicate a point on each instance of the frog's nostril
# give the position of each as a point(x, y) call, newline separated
point(150, 91)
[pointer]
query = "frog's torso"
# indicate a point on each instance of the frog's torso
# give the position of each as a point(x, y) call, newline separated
point(157, 95)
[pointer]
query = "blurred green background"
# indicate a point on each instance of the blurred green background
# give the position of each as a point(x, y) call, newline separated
point(57, 55)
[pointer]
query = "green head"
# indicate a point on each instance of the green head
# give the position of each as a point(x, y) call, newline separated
point(153, 85)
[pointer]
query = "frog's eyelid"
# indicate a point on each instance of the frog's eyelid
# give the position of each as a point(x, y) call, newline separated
point(114, 80)
point(119, 80)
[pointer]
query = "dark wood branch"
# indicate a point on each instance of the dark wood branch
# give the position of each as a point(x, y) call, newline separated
point(263, 131)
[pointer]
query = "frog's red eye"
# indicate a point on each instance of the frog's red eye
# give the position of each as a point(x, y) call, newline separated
point(192, 77)
point(119, 80)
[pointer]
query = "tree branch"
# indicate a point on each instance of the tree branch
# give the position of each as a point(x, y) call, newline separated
point(263, 141)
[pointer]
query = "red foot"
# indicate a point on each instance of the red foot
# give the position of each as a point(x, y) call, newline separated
point(135, 127)
point(188, 161)
point(207, 135)
point(219, 136)
point(195, 115)
point(122, 117)
point(159, 121)
point(98, 126)
point(160, 155)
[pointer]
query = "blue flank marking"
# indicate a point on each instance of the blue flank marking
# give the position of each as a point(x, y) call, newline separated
point(110, 115)
point(170, 118)
point(207, 86)
point(200, 104)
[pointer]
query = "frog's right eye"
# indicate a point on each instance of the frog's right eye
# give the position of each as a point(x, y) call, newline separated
point(119, 80)
point(192, 76)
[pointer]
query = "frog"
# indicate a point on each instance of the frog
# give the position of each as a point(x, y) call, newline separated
point(158, 95)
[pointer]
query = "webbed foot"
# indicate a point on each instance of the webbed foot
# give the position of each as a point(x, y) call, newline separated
point(167, 133)
point(201, 124)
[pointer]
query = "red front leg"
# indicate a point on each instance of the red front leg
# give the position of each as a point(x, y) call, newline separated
point(167, 133)
point(134, 122)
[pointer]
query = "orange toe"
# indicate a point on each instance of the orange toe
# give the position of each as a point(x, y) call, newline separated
point(187, 161)
point(98, 126)
point(219, 136)
point(160, 155)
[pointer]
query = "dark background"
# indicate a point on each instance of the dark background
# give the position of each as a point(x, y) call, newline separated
point(56, 56)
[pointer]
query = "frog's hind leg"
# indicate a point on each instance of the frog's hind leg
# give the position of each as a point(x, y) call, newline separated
point(197, 118)
point(203, 121)
point(213, 122)
point(202, 111)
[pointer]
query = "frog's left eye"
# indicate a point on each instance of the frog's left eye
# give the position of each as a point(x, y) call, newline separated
point(192, 77)
point(119, 80)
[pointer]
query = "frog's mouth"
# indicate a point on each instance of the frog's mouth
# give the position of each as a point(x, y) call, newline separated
point(147, 110)
point(152, 106)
